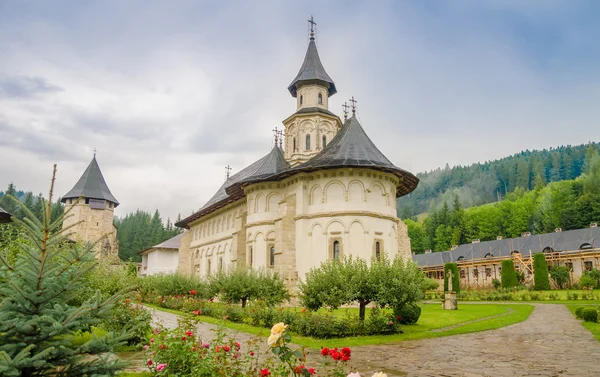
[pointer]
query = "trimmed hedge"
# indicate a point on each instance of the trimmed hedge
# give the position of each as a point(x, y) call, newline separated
point(540, 273)
point(455, 277)
point(408, 314)
point(579, 312)
point(509, 276)
point(590, 315)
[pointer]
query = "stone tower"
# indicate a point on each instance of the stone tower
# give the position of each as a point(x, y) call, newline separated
point(93, 207)
point(312, 126)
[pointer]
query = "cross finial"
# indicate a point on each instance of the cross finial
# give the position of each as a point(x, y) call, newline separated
point(353, 105)
point(276, 135)
point(312, 26)
point(94, 152)
point(280, 138)
point(227, 171)
point(345, 107)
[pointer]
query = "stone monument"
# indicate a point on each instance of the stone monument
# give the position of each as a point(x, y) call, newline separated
point(449, 302)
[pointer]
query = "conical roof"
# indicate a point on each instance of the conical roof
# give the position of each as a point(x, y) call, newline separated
point(91, 185)
point(273, 163)
point(312, 71)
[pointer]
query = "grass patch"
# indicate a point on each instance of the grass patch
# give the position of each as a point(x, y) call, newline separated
point(592, 327)
point(432, 317)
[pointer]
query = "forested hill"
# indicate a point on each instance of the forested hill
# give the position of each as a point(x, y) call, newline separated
point(490, 181)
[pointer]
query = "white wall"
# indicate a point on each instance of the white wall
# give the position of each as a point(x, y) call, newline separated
point(159, 261)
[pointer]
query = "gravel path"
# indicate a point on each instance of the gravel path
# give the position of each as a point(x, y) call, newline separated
point(550, 342)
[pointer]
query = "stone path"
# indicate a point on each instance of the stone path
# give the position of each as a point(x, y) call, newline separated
point(551, 342)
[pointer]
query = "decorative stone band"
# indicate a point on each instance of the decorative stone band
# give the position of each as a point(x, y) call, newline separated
point(347, 213)
point(216, 240)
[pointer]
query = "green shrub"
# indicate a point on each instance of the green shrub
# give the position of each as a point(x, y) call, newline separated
point(241, 284)
point(430, 284)
point(126, 315)
point(174, 284)
point(496, 283)
point(540, 273)
point(590, 315)
point(560, 275)
point(455, 277)
point(509, 277)
point(579, 312)
point(408, 314)
point(587, 282)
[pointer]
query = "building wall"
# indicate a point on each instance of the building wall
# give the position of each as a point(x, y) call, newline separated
point(159, 261)
point(92, 224)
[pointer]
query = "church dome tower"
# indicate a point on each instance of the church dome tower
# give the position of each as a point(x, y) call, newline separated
point(92, 207)
point(312, 126)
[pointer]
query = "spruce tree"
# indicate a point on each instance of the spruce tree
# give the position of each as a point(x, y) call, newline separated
point(37, 322)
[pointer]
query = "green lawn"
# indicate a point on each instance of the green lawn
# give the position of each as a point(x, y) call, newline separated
point(594, 328)
point(432, 317)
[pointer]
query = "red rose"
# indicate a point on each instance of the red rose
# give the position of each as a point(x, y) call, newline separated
point(149, 362)
point(325, 351)
point(337, 355)
point(193, 292)
point(299, 368)
point(398, 317)
point(189, 333)
point(251, 353)
point(226, 348)
point(265, 372)
point(183, 338)
point(345, 358)
point(346, 351)
point(237, 345)
point(218, 348)
point(312, 371)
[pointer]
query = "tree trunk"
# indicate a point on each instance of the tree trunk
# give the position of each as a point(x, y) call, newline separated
point(244, 302)
point(362, 309)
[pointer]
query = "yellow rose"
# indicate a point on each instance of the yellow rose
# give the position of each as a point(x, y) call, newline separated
point(274, 340)
point(278, 328)
point(379, 374)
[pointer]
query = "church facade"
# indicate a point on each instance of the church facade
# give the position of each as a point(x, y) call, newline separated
point(323, 192)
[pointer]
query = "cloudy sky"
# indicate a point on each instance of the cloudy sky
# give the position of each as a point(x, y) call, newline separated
point(170, 92)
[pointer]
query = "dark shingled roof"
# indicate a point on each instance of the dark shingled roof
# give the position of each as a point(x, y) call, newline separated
point(312, 71)
point(91, 185)
point(4, 216)
point(567, 240)
point(172, 243)
point(315, 109)
point(231, 190)
point(352, 148)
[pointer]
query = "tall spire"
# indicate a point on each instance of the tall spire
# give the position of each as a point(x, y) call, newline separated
point(91, 185)
point(312, 70)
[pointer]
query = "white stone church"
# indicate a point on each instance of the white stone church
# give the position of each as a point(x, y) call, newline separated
point(323, 192)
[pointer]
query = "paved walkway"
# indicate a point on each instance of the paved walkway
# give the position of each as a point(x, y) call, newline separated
point(551, 342)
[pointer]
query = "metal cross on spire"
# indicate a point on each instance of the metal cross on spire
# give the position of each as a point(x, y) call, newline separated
point(276, 135)
point(312, 26)
point(94, 152)
point(353, 105)
point(345, 107)
point(280, 137)
point(227, 171)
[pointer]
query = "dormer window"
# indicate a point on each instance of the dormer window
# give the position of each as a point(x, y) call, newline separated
point(319, 100)
point(307, 142)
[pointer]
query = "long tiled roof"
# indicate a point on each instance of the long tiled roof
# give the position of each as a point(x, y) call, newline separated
point(231, 191)
point(4, 216)
point(567, 240)
point(312, 70)
point(91, 185)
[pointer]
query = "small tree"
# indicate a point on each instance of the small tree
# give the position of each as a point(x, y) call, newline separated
point(455, 277)
point(362, 283)
point(540, 272)
point(399, 282)
point(241, 284)
point(324, 286)
point(37, 322)
point(560, 275)
point(509, 276)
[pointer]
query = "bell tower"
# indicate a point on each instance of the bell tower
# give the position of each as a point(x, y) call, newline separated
point(92, 208)
point(312, 126)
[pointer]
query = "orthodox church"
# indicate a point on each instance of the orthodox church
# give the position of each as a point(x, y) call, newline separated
point(323, 192)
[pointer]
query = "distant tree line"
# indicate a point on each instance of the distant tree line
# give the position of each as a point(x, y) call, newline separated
point(568, 204)
point(491, 181)
point(31, 201)
point(141, 230)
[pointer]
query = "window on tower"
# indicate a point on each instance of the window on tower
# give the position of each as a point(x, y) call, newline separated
point(294, 149)
point(307, 142)
point(301, 99)
point(320, 99)
point(377, 250)
point(324, 141)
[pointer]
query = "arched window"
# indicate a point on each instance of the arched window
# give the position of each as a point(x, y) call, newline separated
point(250, 258)
point(208, 267)
point(377, 250)
point(548, 249)
point(301, 99)
point(294, 149)
point(336, 250)
point(307, 142)
point(460, 258)
point(488, 255)
point(324, 141)
point(586, 246)
point(272, 256)
point(320, 99)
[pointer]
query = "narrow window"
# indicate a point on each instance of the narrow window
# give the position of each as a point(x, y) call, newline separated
point(272, 256)
point(208, 267)
point(301, 99)
point(320, 100)
point(250, 257)
point(294, 149)
point(336, 250)
point(307, 142)
point(221, 264)
point(377, 250)
point(589, 266)
point(324, 141)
